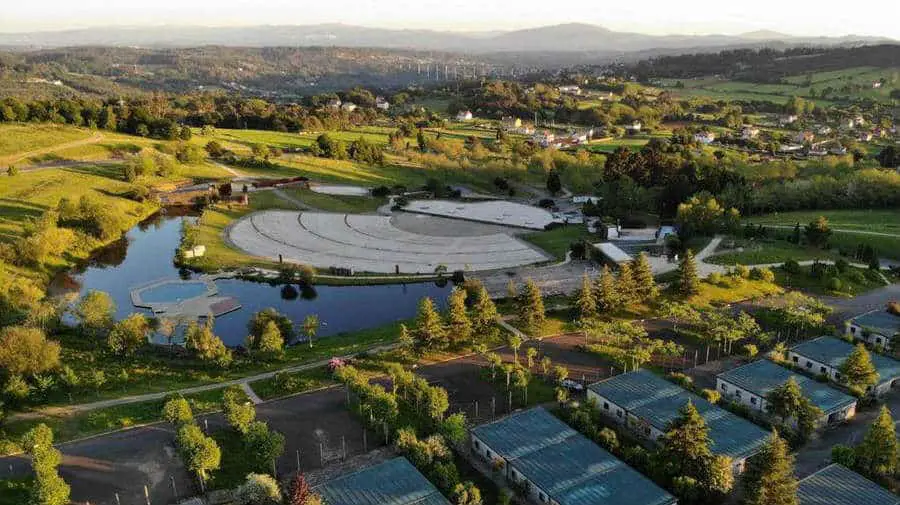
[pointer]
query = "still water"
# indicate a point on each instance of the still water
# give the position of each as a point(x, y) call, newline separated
point(145, 254)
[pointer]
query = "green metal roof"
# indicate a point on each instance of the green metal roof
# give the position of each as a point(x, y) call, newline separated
point(579, 472)
point(729, 435)
point(523, 433)
point(881, 321)
point(833, 351)
point(836, 485)
point(762, 376)
point(394, 482)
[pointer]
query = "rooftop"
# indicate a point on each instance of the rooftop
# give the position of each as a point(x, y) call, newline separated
point(523, 433)
point(836, 485)
point(879, 320)
point(394, 482)
point(613, 252)
point(570, 468)
point(658, 401)
point(762, 376)
point(833, 351)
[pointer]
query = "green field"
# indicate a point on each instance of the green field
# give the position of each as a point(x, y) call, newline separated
point(880, 220)
point(557, 242)
point(769, 251)
point(17, 139)
point(336, 203)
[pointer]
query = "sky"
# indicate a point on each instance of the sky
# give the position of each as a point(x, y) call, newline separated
point(796, 17)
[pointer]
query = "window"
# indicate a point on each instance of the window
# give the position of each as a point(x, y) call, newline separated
point(877, 340)
point(796, 359)
point(543, 498)
point(619, 413)
point(809, 364)
point(605, 406)
point(753, 400)
point(478, 445)
point(853, 330)
point(737, 393)
point(823, 370)
point(723, 387)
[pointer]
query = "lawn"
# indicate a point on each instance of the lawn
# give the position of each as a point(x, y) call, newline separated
point(336, 203)
point(607, 146)
point(17, 139)
point(286, 384)
point(852, 282)
point(768, 251)
point(67, 427)
point(880, 220)
point(556, 242)
point(713, 295)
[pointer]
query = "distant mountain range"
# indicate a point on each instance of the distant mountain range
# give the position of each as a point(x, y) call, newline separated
point(573, 37)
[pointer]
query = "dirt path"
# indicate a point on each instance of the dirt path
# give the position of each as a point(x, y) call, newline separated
point(93, 139)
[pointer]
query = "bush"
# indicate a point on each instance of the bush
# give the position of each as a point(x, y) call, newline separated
point(791, 267)
point(711, 395)
point(12, 171)
point(258, 490)
point(741, 271)
point(750, 350)
point(843, 455)
point(834, 284)
point(856, 276)
point(682, 380)
point(762, 274)
point(608, 439)
point(381, 191)
point(841, 265)
point(818, 270)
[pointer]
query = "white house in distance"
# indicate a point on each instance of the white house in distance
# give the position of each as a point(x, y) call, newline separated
point(878, 327)
point(583, 199)
point(381, 103)
point(749, 384)
point(543, 138)
point(634, 127)
point(570, 90)
point(348, 106)
point(749, 132)
point(824, 356)
point(647, 404)
point(705, 137)
point(334, 103)
point(464, 115)
point(788, 119)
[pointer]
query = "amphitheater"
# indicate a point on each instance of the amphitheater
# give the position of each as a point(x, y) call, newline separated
point(372, 243)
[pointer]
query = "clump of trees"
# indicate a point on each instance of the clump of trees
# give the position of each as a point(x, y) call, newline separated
point(200, 453)
point(878, 455)
point(794, 410)
point(201, 340)
point(49, 488)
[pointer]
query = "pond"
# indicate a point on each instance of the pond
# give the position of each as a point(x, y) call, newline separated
point(145, 254)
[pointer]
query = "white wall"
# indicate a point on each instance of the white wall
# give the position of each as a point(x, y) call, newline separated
point(858, 333)
point(756, 402)
point(607, 407)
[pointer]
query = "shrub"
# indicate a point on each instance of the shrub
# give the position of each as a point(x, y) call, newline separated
point(381, 191)
point(841, 265)
point(682, 380)
point(12, 171)
point(894, 307)
point(716, 279)
point(608, 439)
point(711, 395)
point(762, 274)
point(258, 489)
point(791, 267)
point(750, 350)
point(741, 271)
point(843, 455)
point(834, 284)
point(856, 276)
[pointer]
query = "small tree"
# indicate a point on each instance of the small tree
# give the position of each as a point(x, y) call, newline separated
point(818, 232)
point(466, 494)
point(201, 454)
point(263, 445)
point(607, 295)
point(206, 344)
point(688, 278)
point(515, 342)
point(484, 311)
point(530, 354)
point(625, 285)
point(644, 284)
point(430, 333)
point(405, 340)
point(129, 334)
point(239, 411)
point(259, 489)
point(585, 299)
point(531, 309)
point(177, 411)
point(769, 477)
point(786, 400)
point(459, 327)
point(25, 351)
point(877, 455)
point(310, 327)
point(270, 342)
point(95, 312)
point(300, 491)
point(857, 370)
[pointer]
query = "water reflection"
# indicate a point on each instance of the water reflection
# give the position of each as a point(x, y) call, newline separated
point(145, 254)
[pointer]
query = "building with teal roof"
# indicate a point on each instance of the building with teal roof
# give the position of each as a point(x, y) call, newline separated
point(824, 356)
point(749, 384)
point(559, 466)
point(877, 327)
point(837, 485)
point(394, 482)
point(647, 404)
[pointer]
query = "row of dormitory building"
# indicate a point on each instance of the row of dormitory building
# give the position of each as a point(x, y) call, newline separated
point(553, 464)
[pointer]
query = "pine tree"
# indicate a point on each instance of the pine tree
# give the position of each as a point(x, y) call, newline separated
point(430, 333)
point(785, 401)
point(688, 278)
point(585, 299)
point(644, 284)
point(685, 447)
point(607, 296)
point(405, 340)
point(458, 324)
point(484, 319)
point(769, 477)
point(857, 370)
point(531, 309)
point(512, 292)
point(625, 285)
point(878, 453)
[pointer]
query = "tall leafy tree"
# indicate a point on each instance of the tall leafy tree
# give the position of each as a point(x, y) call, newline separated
point(260, 321)
point(239, 411)
point(49, 488)
point(786, 400)
point(129, 334)
point(459, 326)
point(857, 370)
point(688, 276)
point(95, 312)
point(685, 446)
point(201, 454)
point(26, 351)
point(310, 328)
point(585, 299)
point(531, 308)
point(769, 477)
point(877, 455)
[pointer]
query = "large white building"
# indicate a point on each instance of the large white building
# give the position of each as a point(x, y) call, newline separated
point(749, 384)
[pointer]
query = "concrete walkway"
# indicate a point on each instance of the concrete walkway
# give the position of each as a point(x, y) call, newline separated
point(251, 394)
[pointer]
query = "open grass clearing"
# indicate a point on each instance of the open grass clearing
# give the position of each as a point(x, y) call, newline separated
point(761, 252)
point(557, 241)
point(17, 139)
point(870, 220)
point(336, 203)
